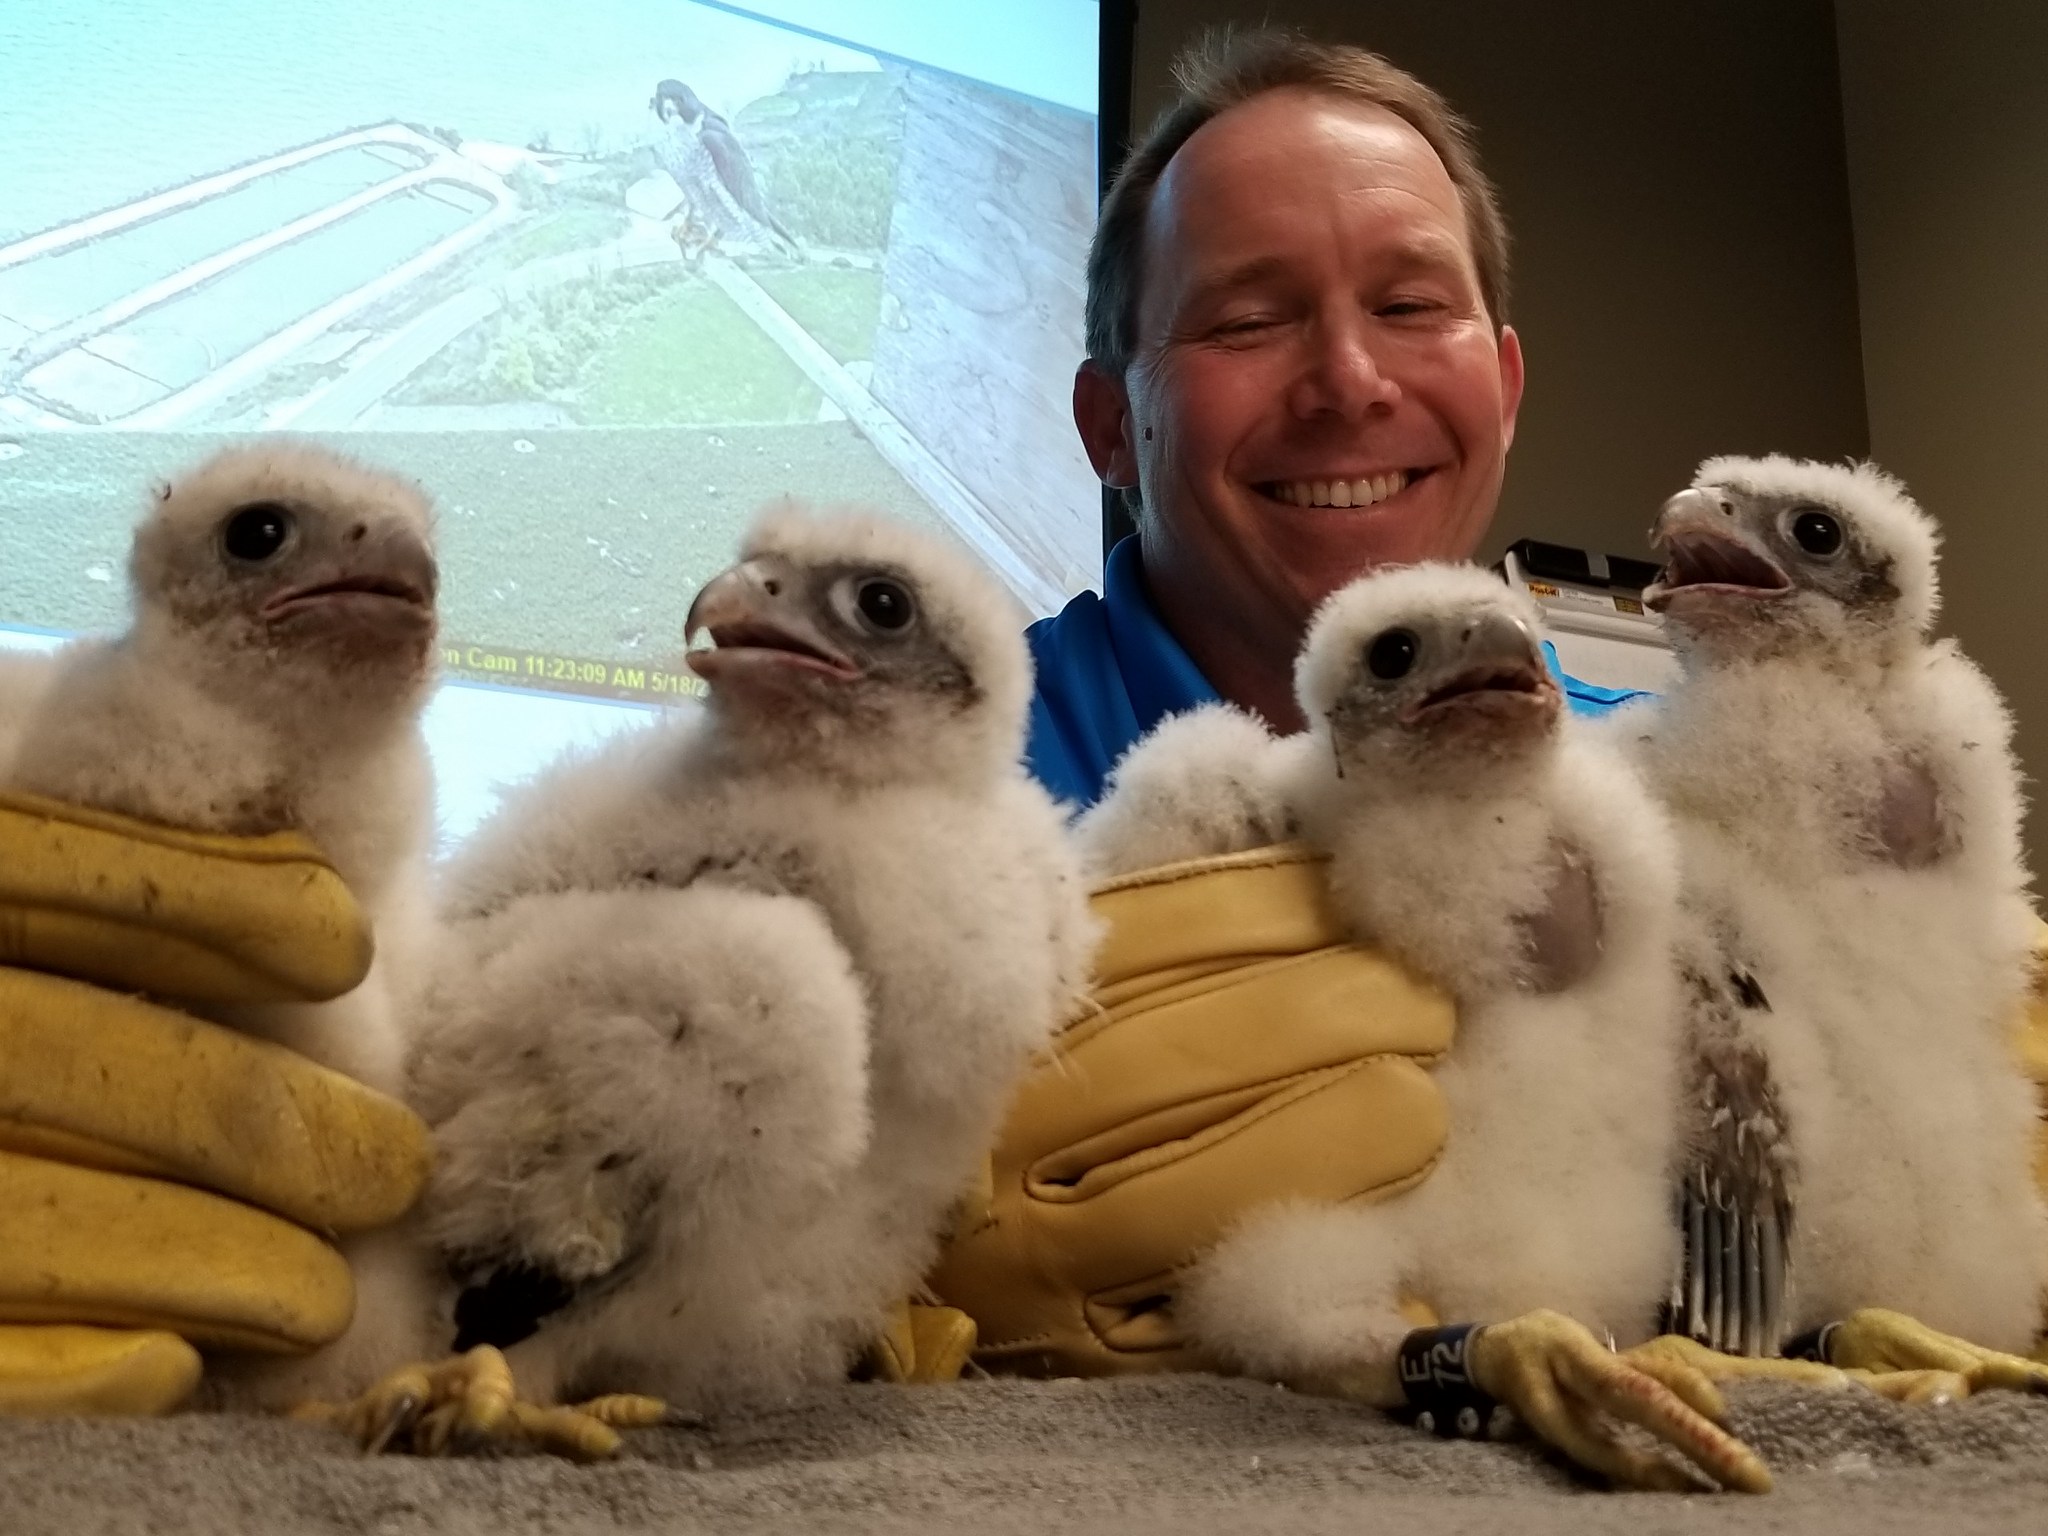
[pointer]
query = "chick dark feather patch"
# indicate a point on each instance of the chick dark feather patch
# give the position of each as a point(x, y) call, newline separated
point(509, 1305)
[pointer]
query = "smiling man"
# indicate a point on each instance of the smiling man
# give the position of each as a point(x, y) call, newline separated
point(1299, 370)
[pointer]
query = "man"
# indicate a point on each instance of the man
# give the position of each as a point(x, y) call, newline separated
point(1299, 369)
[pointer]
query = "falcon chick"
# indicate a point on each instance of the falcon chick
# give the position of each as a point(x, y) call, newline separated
point(1858, 931)
point(750, 987)
point(23, 676)
point(1198, 785)
point(722, 199)
point(1484, 841)
point(281, 649)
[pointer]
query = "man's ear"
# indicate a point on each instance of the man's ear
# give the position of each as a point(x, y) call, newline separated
point(1102, 413)
point(1511, 378)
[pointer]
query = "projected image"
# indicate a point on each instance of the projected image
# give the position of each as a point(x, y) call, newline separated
point(604, 278)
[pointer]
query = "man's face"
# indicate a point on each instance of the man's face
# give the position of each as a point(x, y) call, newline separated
point(1310, 330)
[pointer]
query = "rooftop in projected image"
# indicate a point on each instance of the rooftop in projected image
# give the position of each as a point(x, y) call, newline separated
point(146, 314)
point(1044, 49)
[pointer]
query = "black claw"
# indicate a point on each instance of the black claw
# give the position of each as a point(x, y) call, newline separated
point(401, 1417)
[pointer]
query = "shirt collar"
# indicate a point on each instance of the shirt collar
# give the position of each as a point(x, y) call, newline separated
point(1159, 675)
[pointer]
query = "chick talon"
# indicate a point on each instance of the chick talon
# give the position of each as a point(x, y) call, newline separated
point(399, 1412)
point(439, 1429)
point(630, 1410)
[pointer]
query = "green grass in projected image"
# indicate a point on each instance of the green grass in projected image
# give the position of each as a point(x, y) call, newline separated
point(654, 348)
point(581, 543)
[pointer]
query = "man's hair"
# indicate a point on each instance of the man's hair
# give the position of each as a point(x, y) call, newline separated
point(1220, 72)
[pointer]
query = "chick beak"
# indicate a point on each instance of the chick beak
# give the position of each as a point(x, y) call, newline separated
point(1708, 554)
point(379, 581)
point(758, 626)
point(1495, 674)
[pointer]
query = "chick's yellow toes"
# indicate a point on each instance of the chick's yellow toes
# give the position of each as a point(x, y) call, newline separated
point(470, 1403)
point(629, 1410)
point(1914, 1386)
point(1574, 1393)
point(566, 1432)
point(427, 1410)
point(1715, 1366)
point(1694, 1387)
point(1878, 1340)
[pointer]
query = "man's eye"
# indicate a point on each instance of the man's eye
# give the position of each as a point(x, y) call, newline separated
point(1244, 325)
point(1401, 308)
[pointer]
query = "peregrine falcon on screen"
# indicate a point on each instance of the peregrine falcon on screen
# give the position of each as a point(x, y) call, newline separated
point(722, 199)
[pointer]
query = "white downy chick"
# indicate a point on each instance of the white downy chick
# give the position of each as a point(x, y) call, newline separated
point(1858, 930)
point(851, 797)
point(1208, 782)
point(1485, 841)
point(23, 677)
point(281, 649)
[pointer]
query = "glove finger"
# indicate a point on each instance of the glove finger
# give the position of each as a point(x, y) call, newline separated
point(1607, 1383)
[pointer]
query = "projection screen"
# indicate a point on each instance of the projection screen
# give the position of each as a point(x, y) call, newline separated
point(604, 277)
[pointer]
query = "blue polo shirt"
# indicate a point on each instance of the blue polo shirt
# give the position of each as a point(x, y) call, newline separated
point(1109, 670)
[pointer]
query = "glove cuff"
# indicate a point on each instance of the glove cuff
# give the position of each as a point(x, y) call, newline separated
point(1436, 1377)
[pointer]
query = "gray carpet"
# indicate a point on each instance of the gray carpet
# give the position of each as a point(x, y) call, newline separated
point(1183, 1456)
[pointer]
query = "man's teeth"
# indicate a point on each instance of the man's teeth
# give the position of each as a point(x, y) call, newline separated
point(1339, 493)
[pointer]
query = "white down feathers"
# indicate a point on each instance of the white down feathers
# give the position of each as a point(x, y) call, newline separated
point(1554, 1186)
point(800, 966)
point(207, 715)
point(1893, 986)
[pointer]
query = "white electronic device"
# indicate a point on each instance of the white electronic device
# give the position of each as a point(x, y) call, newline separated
point(1593, 613)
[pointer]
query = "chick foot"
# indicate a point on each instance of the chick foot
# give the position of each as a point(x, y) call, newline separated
point(1572, 1392)
point(1900, 1386)
point(470, 1401)
point(1874, 1339)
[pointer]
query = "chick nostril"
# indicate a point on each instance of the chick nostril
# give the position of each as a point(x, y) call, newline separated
point(355, 534)
point(772, 587)
point(1727, 505)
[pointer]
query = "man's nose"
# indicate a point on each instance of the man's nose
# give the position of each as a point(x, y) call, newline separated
point(1341, 376)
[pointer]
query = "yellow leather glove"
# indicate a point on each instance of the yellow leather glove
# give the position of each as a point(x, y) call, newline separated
point(1243, 1052)
point(2033, 1039)
point(922, 1343)
point(2033, 1042)
point(158, 1174)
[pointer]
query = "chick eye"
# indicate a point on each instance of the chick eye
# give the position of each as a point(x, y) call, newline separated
point(886, 605)
point(1393, 654)
point(256, 532)
point(1816, 532)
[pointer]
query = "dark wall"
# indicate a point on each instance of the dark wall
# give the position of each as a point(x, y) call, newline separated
point(1947, 111)
point(1675, 181)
